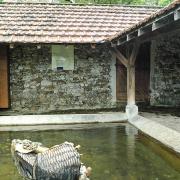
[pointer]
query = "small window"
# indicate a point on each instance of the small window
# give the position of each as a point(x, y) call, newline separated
point(62, 57)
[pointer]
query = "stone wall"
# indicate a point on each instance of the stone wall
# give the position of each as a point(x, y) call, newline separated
point(36, 88)
point(165, 70)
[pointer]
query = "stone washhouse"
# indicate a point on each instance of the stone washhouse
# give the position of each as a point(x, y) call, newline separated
point(83, 57)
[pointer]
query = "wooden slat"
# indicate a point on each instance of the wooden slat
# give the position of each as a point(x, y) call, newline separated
point(142, 85)
point(121, 92)
point(4, 92)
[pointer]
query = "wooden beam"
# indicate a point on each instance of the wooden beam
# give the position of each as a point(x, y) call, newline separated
point(134, 53)
point(130, 65)
point(145, 29)
point(132, 35)
point(131, 85)
point(148, 30)
point(160, 22)
point(131, 75)
point(122, 40)
point(120, 56)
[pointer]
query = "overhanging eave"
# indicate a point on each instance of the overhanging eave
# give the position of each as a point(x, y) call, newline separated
point(148, 31)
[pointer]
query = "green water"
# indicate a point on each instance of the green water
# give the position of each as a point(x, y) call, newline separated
point(115, 152)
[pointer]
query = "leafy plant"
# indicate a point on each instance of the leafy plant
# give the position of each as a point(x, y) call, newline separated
point(134, 2)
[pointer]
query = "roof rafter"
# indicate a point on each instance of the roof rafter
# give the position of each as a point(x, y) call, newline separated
point(149, 27)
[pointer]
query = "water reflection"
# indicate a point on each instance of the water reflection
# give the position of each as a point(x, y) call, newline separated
point(114, 152)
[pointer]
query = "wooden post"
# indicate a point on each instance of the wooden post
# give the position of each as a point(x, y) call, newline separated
point(129, 63)
point(131, 76)
point(131, 84)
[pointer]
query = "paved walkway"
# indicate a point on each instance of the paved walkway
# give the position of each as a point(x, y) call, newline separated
point(163, 128)
point(167, 120)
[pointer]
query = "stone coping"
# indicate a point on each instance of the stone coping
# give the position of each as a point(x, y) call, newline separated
point(61, 127)
point(62, 119)
point(165, 135)
point(165, 119)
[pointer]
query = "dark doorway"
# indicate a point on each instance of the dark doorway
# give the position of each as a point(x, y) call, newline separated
point(142, 76)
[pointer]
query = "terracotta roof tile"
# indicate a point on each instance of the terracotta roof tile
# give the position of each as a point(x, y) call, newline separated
point(54, 23)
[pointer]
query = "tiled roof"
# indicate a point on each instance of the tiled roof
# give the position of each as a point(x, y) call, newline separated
point(54, 23)
point(159, 13)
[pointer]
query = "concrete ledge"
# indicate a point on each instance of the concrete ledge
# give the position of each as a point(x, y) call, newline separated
point(168, 137)
point(61, 127)
point(62, 119)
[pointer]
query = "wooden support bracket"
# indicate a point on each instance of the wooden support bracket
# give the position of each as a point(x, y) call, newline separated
point(129, 63)
point(120, 56)
point(134, 53)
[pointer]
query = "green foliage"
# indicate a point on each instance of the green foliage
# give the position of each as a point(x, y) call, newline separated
point(165, 2)
point(133, 2)
point(111, 1)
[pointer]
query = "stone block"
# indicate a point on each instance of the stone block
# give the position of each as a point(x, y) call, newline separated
point(131, 111)
point(45, 83)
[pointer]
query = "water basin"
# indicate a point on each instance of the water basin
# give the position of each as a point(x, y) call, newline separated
point(114, 151)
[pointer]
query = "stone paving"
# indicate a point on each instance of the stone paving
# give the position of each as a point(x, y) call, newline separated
point(164, 128)
point(167, 120)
